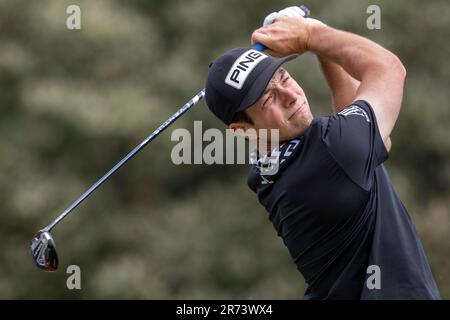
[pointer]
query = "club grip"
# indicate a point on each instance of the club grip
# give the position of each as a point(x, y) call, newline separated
point(260, 47)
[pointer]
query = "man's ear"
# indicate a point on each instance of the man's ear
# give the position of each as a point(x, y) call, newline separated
point(244, 130)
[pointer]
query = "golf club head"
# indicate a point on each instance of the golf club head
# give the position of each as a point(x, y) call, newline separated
point(43, 251)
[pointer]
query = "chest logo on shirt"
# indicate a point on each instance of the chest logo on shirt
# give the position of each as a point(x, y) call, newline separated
point(268, 165)
point(355, 110)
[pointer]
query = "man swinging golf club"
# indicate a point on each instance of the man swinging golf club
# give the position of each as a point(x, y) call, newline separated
point(331, 200)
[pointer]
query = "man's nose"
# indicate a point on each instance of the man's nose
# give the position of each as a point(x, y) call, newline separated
point(289, 97)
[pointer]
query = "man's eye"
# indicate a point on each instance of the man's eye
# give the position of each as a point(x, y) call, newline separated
point(285, 80)
point(269, 98)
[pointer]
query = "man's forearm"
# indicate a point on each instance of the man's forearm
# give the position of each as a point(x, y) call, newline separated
point(358, 56)
point(343, 87)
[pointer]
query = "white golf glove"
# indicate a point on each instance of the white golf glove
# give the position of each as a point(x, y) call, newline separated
point(289, 12)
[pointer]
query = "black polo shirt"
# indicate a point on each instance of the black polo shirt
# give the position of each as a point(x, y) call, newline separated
point(332, 203)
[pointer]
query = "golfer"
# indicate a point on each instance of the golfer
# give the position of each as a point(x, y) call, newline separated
point(331, 199)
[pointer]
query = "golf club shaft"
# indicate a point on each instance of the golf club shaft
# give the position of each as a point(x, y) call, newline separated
point(155, 133)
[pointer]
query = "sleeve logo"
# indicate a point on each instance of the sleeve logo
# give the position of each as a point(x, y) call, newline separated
point(355, 110)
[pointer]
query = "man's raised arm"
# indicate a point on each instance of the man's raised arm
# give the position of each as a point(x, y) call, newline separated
point(343, 87)
point(380, 72)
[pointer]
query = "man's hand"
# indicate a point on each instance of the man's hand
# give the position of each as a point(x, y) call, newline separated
point(287, 35)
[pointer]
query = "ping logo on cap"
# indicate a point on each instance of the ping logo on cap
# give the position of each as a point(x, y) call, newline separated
point(242, 67)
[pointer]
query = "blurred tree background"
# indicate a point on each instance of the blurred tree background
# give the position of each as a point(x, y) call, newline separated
point(74, 102)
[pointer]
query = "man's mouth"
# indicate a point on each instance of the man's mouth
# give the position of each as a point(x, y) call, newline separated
point(299, 109)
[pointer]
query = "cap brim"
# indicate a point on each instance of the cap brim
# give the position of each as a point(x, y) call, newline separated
point(260, 84)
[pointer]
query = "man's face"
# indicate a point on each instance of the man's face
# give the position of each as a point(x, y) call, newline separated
point(282, 106)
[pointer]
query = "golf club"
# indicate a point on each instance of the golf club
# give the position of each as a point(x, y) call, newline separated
point(43, 248)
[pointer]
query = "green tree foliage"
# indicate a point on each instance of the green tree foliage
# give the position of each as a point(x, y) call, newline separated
point(74, 102)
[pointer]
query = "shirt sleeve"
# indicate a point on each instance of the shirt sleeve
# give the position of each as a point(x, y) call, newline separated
point(353, 139)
